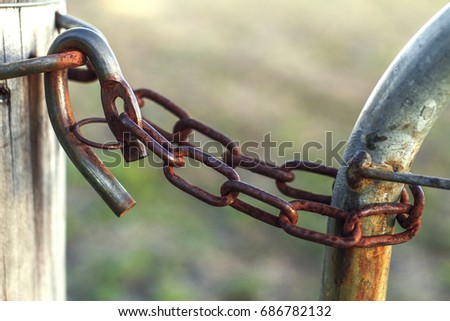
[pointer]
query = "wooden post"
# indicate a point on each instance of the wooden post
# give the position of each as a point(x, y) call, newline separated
point(32, 164)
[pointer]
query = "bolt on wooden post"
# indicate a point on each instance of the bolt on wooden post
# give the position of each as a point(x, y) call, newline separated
point(32, 164)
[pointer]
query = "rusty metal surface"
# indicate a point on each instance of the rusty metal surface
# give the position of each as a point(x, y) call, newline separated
point(134, 133)
point(309, 167)
point(76, 129)
point(60, 61)
point(65, 21)
point(62, 118)
point(144, 93)
point(173, 150)
point(391, 128)
point(258, 166)
point(212, 162)
point(405, 178)
point(368, 192)
point(153, 140)
point(351, 238)
point(137, 137)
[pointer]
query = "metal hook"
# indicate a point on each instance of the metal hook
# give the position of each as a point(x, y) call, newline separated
point(113, 86)
point(69, 22)
point(65, 21)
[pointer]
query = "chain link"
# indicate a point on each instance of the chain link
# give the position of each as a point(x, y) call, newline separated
point(133, 132)
point(173, 147)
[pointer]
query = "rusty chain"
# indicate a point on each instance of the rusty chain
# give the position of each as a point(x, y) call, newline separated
point(134, 132)
point(174, 147)
point(407, 215)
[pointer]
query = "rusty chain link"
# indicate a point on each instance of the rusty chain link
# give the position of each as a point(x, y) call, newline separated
point(133, 131)
point(173, 147)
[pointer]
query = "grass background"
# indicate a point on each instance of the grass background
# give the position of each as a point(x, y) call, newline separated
point(296, 69)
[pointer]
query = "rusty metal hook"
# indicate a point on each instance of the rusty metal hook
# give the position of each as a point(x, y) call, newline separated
point(113, 86)
point(65, 21)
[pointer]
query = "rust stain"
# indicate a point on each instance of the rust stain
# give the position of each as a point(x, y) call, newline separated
point(395, 164)
point(373, 273)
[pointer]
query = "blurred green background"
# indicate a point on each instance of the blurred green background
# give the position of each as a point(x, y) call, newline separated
point(296, 69)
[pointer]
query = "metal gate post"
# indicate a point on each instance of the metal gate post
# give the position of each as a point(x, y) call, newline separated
point(391, 128)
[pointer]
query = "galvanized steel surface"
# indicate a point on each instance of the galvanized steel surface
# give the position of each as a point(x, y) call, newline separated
point(391, 128)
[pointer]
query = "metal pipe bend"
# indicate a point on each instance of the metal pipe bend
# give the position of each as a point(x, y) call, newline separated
point(392, 126)
point(63, 120)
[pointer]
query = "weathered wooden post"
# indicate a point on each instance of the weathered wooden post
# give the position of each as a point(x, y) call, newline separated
point(32, 169)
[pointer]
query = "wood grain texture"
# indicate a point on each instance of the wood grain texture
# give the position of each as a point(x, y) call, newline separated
point(32, 165)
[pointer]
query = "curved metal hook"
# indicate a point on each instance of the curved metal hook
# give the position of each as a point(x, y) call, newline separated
point(68, 22)
point(65, 21)
point(62, 118)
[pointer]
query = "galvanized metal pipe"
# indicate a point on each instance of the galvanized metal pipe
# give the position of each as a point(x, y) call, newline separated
point(391, 128)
